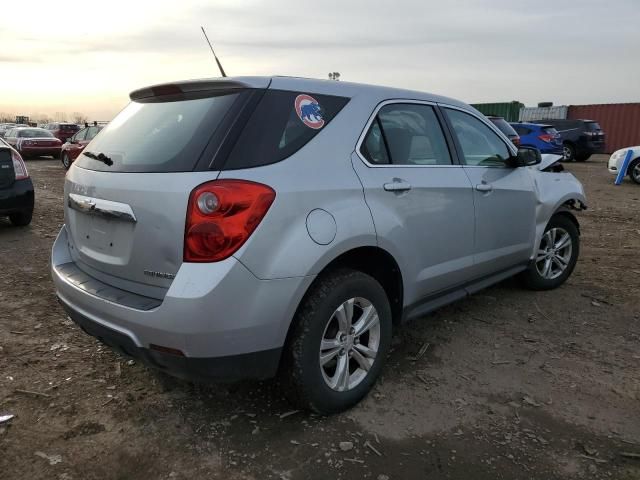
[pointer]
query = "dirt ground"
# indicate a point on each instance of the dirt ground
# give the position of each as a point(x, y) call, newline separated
point(513, 384)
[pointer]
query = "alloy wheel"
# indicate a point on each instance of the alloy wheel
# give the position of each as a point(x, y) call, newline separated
point(350, 344)
point(635, 173)
point(554, 253)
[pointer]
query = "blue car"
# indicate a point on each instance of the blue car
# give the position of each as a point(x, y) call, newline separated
point(544, 137)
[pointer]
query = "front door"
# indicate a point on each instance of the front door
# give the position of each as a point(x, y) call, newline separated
point(420, 199)
point(504, 195)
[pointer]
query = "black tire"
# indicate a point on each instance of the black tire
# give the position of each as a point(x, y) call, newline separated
point(21, 219)
point(583, 157)
point(66, 161)
point(634, 174)
point(532, 278)
point(569, 152)
point(301, 374)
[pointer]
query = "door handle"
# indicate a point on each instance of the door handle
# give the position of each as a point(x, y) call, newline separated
point(484, 187)
point(397, 186)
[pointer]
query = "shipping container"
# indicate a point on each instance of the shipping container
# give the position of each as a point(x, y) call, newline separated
point(508, 110)
point(531, 114)
point(619, 121)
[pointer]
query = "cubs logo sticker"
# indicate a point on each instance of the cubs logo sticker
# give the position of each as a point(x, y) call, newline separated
point(309, 111)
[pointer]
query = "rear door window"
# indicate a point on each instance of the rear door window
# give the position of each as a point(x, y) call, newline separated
point(159, 134)
point(406, 134)
point(282, 123)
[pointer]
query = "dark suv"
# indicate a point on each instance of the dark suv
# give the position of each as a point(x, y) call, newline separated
point(580, 138)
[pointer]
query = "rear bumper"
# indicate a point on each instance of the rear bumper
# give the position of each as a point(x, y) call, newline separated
point(40, 151)
point(593, 147)
point(17, 198)
point(215, 314)
point(258, 365)
point(552, 149)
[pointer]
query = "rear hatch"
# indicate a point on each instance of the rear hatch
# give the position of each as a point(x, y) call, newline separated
point(7, 175)
point(556, 138)
point(594, 132)
point(126, 195)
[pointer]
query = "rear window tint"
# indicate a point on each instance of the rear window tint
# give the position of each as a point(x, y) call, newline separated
point(592, 126)
point(158, 136)
point(282, 123)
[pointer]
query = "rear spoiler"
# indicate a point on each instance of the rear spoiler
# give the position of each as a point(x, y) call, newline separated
point(193, 86)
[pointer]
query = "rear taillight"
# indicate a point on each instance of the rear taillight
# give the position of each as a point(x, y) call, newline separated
point(221, 216)
point(19, 167)
point(546, 138)
point(516, 141)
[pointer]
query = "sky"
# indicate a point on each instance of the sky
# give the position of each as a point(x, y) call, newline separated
point(87, 56)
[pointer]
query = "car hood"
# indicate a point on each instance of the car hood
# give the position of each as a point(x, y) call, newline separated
point(548, 159)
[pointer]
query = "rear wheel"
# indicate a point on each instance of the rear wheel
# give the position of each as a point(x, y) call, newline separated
point(66, 161)
point(339, 342)
point(21, 219)
point(634, 171)
point(569, 152)
point(583, 157)
point(556, 255)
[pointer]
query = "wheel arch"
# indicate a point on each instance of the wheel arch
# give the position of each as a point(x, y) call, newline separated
point(374, 261)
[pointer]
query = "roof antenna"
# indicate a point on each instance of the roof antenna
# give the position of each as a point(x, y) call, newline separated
point(214, 53)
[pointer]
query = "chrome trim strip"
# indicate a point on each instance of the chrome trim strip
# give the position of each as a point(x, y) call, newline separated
point(101, 208)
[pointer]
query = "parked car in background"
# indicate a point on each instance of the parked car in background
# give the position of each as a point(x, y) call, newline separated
point(544, 137)
point(62, 131)
point(616, 162)
point(5, 127)
point(33, 142)
point(201, 191)
point(580, 138)
point(16, 188)
point(74, 146)
point(505, 128)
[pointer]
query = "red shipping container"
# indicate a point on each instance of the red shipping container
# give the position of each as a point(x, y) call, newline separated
point(619, 121)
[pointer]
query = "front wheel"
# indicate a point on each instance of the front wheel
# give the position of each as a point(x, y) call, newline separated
point(339, 342)
point(66, 161)
point(634, 171)
point(556, 255)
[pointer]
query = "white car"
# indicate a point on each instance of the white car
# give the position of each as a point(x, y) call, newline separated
point(633, 170)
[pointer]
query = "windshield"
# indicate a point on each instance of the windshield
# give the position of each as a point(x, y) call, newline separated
point(158, 136)
point(35, 133)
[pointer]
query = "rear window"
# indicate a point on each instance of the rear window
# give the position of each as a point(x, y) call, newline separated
point(592, 126)
point(155, 135)
point(504, 126)
point(69, 128)
point(34, 133)
point(282, 123)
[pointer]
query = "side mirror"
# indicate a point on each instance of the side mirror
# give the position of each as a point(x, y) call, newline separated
point(527, 156)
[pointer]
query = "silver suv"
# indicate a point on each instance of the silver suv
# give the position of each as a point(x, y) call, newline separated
point(234, 228)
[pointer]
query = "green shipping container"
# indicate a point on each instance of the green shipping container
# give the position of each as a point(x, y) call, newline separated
point(508, 110)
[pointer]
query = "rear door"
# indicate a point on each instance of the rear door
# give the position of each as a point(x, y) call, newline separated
point(420, 199)
point(127, 193)
point(504, 196)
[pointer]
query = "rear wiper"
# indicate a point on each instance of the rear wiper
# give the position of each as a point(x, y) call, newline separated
point(101, 157)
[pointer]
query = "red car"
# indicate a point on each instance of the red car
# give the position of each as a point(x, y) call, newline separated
point(33, 142)
point(62, 131)
point(76, 144)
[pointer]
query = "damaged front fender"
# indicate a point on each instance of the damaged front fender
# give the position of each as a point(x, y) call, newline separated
point(555, 191)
